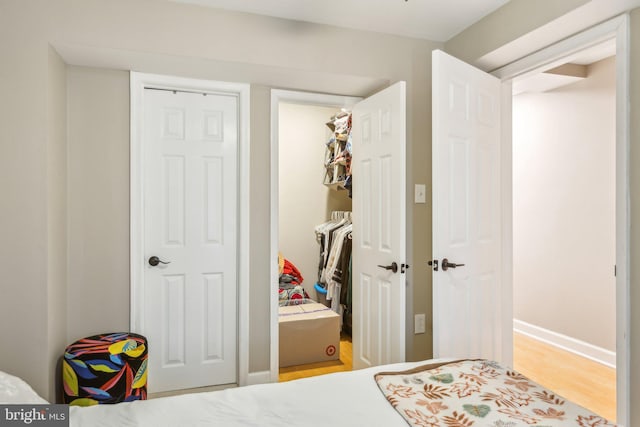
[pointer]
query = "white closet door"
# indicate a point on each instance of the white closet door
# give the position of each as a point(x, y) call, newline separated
point(379, 228)
point(190, 217)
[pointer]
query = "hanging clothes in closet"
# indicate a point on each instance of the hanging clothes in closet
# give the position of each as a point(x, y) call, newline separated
point(334, 267)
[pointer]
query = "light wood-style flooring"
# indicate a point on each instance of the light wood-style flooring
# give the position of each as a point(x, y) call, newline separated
point(575, 378)
point(587, 383)
point(311, 370)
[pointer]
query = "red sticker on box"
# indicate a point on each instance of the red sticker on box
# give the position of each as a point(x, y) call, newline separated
point(331, 350)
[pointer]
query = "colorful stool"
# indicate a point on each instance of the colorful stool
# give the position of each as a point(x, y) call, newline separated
point(108, 368)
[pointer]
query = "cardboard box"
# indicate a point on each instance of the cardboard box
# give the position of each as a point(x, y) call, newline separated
point(309, 333)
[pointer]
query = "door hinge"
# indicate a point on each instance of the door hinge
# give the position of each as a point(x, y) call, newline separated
point(615, 270)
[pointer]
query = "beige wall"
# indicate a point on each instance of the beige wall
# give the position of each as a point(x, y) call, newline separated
point(260, 274)
point(98, 208)
point(419, 284)
point(304, 200)
point(56, 213)
point(24, 207)
point(564, 208)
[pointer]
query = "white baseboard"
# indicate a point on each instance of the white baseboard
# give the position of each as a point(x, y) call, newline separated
point(581, 348)
point(261, 377)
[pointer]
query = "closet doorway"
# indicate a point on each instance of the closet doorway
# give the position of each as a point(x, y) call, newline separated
point(378, 216)
point(303, 201)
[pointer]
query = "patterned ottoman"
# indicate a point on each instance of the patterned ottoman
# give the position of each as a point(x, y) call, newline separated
point(108, 368)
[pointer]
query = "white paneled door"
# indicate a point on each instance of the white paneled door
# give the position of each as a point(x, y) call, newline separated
point(190, 150)
point(379, 228)
point(471, 317)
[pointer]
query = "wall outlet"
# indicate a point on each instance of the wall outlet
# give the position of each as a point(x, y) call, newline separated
point(419, 324)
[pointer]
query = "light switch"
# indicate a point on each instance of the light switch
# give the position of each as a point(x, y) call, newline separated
point(420, 193)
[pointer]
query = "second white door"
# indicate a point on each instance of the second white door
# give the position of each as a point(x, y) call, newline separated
point(379, 228)
point(471, 311)
point(190, 145)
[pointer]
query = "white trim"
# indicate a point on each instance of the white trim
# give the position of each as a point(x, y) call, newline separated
point(506, 178)
point(138, 81)
point(260, 377)
point(244, 260)
point(564, 342)
point(558, 53)
point(617, 28)
point(623, 222)
point(307, 98)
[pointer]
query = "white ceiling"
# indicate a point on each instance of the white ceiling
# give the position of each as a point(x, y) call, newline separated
point(437, 20)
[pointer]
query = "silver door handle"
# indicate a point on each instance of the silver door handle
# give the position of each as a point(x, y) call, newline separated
point(447, 265)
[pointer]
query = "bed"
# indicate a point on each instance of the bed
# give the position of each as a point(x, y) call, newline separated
point(437, 393)
point(14, 390)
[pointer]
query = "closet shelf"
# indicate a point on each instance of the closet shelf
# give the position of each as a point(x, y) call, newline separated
point(337, 159)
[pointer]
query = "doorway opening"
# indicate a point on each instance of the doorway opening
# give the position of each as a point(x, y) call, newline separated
point(314, 204)
point(564, 226)
point(553, 56)
point(303, 200)
point(378, 265)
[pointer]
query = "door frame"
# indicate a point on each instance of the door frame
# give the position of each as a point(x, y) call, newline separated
point(618, 29)
point(295, 97)
point(138, 82)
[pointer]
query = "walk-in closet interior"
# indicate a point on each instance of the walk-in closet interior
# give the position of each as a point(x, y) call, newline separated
point(315, 205)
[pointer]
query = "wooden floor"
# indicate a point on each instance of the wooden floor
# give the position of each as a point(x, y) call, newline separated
point(311, 370)
point(587, 383)
point(580, 380)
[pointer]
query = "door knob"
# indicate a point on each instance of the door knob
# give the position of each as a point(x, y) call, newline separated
point(447, 265)
point(154, 260)
point(393, 267)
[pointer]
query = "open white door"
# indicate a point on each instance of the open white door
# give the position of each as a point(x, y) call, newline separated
point(379, 232)
point(471, 316)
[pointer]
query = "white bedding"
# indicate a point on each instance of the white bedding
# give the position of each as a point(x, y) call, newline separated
point(341, 399)
point(14, 390)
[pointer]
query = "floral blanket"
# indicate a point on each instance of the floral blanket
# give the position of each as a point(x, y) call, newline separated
point(478, 393)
